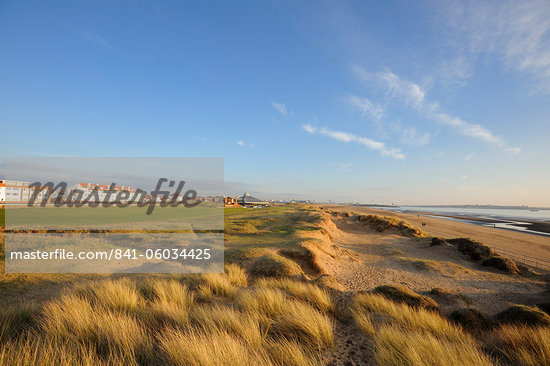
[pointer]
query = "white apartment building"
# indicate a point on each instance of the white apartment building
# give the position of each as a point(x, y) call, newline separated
point(18, 192)
point(13, 191)
point(88, 188)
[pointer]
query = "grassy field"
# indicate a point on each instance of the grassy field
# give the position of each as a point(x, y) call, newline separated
point(270, 307)
point(205, 216)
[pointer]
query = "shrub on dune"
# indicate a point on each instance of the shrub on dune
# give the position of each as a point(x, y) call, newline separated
point(522, 314)
point(384, 223)
point(504, 264)
point(404, 295)
point(471, 319)
point(274, 265)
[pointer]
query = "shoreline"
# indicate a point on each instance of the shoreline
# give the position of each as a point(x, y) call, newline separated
point(523, 226)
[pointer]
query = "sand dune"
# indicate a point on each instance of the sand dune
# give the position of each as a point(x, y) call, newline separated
point(528, 244)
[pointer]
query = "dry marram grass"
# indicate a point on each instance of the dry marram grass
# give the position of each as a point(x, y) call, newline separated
point(209, 319)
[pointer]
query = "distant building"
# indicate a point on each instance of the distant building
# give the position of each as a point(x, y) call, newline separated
point(248, 200)
point(13, 191)
point(230, 201)
point(18, 192)
point(102, 191)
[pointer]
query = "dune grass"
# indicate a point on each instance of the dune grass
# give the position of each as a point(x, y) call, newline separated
point(272, 241)
point(309, 293)
point(301, 321)
point(208, 319)
point(272, 264)
point(119, 295)
point(209, 348)
point(15, 318)
point(521, 345)
point(236, 275)
point(227, 319)
point(38, 351)
point(74, 319)
point(385, 223)
point(394, 346)
point(283, 317)
point(404, 335)
point(404, 316)
point(444, 267)
point(404, 295)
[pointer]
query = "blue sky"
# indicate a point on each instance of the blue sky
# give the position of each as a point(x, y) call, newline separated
point(440, 102)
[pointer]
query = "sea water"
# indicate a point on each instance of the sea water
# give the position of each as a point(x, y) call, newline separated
point(542, 215)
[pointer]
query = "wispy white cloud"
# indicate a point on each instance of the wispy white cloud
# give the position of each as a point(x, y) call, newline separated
point(414, 95)
point(408, 135)
point(516, 32)
point(90, 36)
point(244, 144)
point(309, 128)
point(454, 70)
point(366, 107)
point(410, 92)
point(411, 136)
point(281, 108)
point(467, 129)
point(469, 157)
point(405, 91)
point(348, 137)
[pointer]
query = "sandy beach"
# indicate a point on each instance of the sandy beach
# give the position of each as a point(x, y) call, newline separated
point(528, 244)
